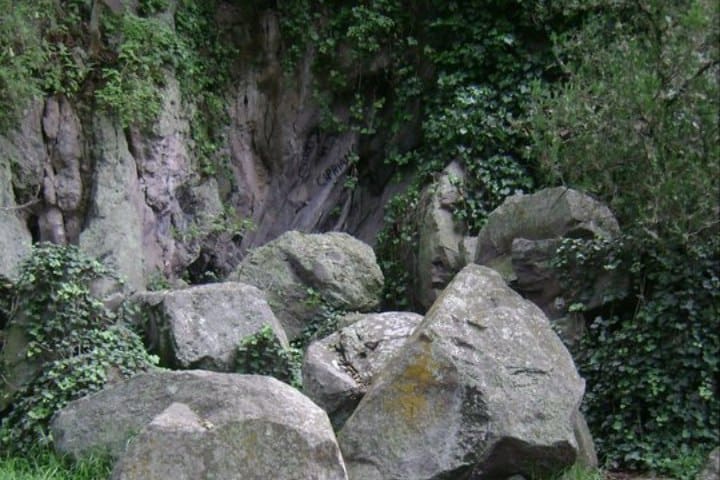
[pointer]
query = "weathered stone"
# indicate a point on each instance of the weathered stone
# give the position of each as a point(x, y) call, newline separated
point(549, 213)
point(522, 235)
point(15, 239)
point(197, 424)
point(587, 455)
point(16, 369)
point(483, 387)
point(65, 154)
point(115, 230)
point(338, 369)
point(440, 237)
point(297, 270)
point(24, 148)
point(711, 470)
point(201, 327)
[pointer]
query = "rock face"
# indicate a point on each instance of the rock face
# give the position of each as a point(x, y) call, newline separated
point(522, 235)
point(115, 231)
point(153, 201)
point(482, 389)
point(15, 239)
point(338, 369)
point(440, 238)
point(201, 425)
point(297, 271)
point(16, 369)
point(201, 327)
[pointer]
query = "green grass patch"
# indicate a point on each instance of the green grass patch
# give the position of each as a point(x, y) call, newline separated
point(46, 465)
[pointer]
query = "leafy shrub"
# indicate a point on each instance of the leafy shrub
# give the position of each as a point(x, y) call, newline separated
point(652, 359)
point(79, 343)
point(132, 84)
point(635, 123)
point(262, 354)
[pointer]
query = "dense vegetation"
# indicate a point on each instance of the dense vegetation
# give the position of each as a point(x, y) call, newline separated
point(618, 98)
point(74, 343)
point(636, 123)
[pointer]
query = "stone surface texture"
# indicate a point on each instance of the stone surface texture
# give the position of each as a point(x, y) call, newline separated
point(201, 326)
point(483, 388)
point(299, 271)
point(338, 369)
point(202, 425)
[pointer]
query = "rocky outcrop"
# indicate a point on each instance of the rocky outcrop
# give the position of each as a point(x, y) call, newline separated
point(15, 239)
point(338, 369)
point(483, 388)
point(16, 369)
point(115, 230)
point(522, 235)
point(198, 424)
point(201, 327)
point(441, 238)
point(298, 272)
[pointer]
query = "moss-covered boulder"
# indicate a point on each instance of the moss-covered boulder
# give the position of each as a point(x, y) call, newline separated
point(300, 272)
point(202, 326)
point(198, 424)
point(338, 369)
point(482, 389)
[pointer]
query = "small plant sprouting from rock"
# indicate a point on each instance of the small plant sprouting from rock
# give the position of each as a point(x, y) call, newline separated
point(262, 354)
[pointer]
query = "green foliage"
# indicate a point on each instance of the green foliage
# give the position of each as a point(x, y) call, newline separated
point(394, 244)
point(652, 359)
point(78, 342)
point(132, 84)
point(578, 472)
point(44, 464)
point(262, 354)
point(636, 123)
point(323, 323)
point(39, 53)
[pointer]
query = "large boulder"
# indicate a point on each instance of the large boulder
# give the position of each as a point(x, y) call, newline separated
point(300, 271)
point(201, 425)
point(522, 235)
point(482, 389)
point(201, 326)
point(338, 369)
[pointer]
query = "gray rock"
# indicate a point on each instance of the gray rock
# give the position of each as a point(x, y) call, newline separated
point(549, 213)
point(520, 240)
point(15, 239)
point(202, 425)
point(711, 470)
point(483, 387)
point(441, 237)
point(338, 369)
point(115, 229)
point(16, 369)
point(24, 148)
point(297, 270)
point(201, 327)
point(587, 455)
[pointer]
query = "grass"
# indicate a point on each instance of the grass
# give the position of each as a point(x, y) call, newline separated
point(46, 465)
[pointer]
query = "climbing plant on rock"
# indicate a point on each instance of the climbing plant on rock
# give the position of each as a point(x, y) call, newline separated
point(80, 344)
